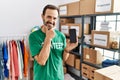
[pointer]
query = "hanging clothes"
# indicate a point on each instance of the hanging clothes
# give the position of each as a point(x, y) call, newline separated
point(8, 62)
point(12, 69)
point(26, 58)
point(22, 48)
point(14, 59)
point(5, 58)
point(20, 60)
point(1, 63)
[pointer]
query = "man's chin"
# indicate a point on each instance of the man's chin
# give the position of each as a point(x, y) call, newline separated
point(51, 28)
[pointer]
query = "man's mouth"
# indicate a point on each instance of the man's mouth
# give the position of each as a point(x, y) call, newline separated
point(49, 25)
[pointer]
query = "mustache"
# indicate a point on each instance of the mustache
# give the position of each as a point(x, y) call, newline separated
point(50, 23)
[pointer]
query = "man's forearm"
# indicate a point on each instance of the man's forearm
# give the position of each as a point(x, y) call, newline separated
point(65, 54)
point(44, 53)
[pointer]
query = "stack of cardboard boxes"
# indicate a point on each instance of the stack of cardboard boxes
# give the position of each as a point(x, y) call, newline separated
point(88, 71)
point(73, 61)
point(85, 7)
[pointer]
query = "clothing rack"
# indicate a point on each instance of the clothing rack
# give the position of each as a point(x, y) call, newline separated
point(14, 49)
point(14, 37)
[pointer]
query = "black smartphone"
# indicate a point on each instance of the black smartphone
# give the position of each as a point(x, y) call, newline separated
point(72, 33)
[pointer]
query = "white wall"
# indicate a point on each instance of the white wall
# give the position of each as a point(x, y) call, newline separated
point(67, 1)
point(17, 17)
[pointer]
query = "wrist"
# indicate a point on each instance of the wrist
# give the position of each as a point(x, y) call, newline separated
point(48, 39)
point(66, 50)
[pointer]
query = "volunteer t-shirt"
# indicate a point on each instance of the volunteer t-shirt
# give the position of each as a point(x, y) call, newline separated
point(53, 69)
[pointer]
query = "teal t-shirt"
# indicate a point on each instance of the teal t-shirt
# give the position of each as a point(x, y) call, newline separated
point(53, 69)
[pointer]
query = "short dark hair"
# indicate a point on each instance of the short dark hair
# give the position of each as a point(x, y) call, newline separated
point(50, 7)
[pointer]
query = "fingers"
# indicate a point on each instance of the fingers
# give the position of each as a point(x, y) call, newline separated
point(46, 29)
point(77, 39)
point(68, 40)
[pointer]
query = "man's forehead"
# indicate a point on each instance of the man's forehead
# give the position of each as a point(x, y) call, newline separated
point(51, 12)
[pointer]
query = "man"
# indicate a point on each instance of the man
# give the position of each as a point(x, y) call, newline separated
point(48, 47)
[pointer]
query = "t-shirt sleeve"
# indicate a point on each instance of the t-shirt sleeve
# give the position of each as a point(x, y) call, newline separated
point(34, 45)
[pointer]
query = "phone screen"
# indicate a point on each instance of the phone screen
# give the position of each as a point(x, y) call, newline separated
point(72, 33)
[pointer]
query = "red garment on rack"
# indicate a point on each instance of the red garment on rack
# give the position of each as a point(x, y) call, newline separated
point(15, 59)
point(12, 69)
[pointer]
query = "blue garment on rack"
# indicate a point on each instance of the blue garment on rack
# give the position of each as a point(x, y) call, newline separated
point(108, 62)
point(5, 57)
point(1, 63)
point(22, 49)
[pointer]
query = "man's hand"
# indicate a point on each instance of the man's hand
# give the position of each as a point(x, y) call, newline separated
point(68, 48)
point(71, 46)
point(49, 33)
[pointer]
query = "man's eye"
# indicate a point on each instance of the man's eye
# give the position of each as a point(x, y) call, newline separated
point(55, 18)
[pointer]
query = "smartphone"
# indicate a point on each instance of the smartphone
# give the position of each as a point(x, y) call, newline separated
point(72, 33)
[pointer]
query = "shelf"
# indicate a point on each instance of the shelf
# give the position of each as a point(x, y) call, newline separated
point(77, 77)
point(75, 16)
point(75, 73)
point(102, 14)
point(76, 53)
point(74, 76)
point(72, 70)
point(89, 45)
point(98, 66)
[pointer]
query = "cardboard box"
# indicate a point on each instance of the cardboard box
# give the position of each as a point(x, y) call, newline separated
point(108, 73)
point(107, 6)
point(101, 39)
point(73, 8)
point(85, 70)
point(64, 29)
point(92, 56)
point(92, 71)
point(88, 71)
point(64, 21)
point(71, 60)
point(86, 54)
point(96, 56)
point(63, 9)
point(77, 64)
point(87, 7)
point(77, 27)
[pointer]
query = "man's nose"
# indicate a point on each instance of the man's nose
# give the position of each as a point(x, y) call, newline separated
point(51, 20)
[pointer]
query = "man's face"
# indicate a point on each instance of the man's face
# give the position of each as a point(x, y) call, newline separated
point(50, 18)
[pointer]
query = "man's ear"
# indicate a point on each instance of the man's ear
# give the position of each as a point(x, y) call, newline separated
point(42, 16)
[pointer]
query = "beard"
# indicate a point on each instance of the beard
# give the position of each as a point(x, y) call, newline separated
point(49, 24)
